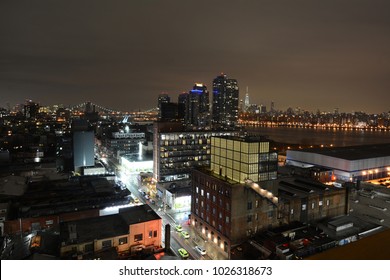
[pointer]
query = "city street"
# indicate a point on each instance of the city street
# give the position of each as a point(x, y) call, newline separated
point(169, 217)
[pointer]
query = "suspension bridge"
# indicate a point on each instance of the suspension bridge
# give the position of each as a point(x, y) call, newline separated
point(127, 117)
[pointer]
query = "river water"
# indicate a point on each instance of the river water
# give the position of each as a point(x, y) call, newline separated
point(312, 136)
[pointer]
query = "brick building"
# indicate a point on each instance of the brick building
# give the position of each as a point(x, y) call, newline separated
point(236, 198)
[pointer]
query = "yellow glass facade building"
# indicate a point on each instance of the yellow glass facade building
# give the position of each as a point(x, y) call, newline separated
point(239, 158)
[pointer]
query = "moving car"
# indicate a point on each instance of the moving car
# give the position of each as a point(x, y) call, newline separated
point(183, 253)
point(179, 228)
point(200, 250)
point(185, 234)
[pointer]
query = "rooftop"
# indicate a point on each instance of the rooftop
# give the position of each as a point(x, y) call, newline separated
point(138, 214)
point(369, 248)
point(12, 185)
point(296, 186)
point(353, 152)
point(94, 228)
point(107, 226)
point(342, 227)
point(61, 196)
point(246, 138)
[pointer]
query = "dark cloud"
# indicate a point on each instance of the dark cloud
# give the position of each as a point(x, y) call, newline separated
point(121, 53)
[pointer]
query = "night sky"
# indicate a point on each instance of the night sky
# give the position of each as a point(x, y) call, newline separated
point(123, 53)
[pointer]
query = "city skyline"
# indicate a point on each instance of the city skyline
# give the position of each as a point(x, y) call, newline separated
point(316, 55)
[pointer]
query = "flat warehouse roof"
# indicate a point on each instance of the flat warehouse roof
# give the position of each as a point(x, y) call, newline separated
point(353, 152)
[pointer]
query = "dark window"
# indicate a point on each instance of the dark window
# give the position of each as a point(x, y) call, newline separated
point(123, 240)
point(88, 247)
point(138, 237)
point(250, 205)
point(155, 233)
point(106, 244)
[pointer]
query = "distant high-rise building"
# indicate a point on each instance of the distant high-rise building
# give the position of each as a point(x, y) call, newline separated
point(198, 106)
point(246, 104)
point(31, 109)
point(162, 98)
point(18, 108)
point(83, 145)
point(168, 111)
point(225, 102)
point(181, 106)
point(90, 112)
point(89, 107)
point(272, 106)
point(83, 149)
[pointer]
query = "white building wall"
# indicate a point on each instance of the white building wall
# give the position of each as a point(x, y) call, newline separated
point(305, 159)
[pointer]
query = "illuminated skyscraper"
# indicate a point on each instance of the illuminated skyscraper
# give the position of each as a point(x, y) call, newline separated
point(198, 107)
point(225, 102)
point(246, 104)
